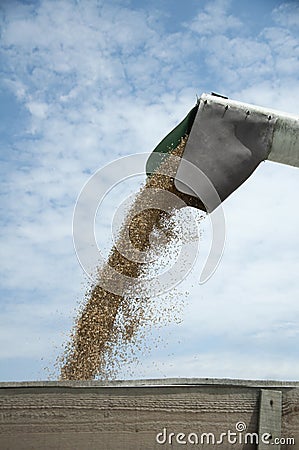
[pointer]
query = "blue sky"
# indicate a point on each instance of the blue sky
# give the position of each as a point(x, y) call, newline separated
point(84, 82)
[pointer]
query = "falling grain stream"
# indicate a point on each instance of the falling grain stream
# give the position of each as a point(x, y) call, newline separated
point(97, 329)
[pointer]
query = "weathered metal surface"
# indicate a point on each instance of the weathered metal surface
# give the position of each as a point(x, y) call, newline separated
point(226, 144)
point(229, 139)
point(145, 414)
point(285, 144)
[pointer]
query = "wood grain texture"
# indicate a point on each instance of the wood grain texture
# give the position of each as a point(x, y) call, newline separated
point(290, 417)
point(96, 416)
point(270, 418)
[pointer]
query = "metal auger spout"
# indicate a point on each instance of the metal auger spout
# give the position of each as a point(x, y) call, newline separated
point(227, 140)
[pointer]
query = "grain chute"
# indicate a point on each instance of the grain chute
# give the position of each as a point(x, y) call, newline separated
point(227, 141)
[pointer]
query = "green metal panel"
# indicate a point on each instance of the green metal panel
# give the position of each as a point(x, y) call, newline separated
point(171, 141)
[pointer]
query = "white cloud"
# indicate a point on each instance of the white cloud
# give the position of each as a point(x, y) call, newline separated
point(37, 109)
point(215, 19)
point(219, 365)
point(103, 80)
point(287, 14)
point(280, 95)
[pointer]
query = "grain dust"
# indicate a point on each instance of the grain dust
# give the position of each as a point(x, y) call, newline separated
point(108, 324)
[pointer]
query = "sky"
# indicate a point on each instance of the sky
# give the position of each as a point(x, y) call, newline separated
point(85, 82)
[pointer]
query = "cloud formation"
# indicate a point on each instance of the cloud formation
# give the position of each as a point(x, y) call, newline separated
point(92, 81)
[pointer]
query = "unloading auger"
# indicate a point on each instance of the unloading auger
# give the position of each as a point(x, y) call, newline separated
point(227, 140)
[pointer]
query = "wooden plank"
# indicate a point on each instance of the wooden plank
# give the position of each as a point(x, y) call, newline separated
point(130, 414)
point(267, 384)
point(270, 419)
point(122, 417)
point(290, 419)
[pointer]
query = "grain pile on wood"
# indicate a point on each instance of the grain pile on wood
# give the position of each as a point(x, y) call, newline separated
point(109, 321)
